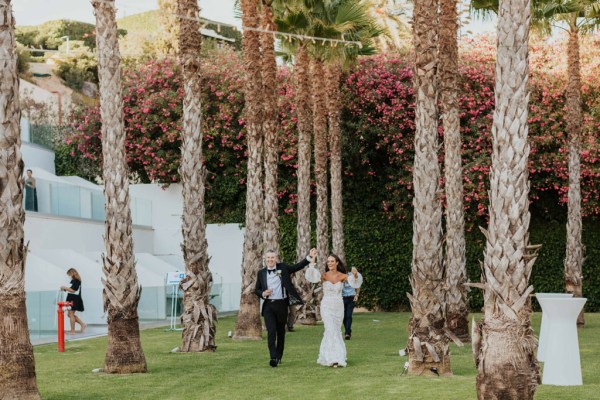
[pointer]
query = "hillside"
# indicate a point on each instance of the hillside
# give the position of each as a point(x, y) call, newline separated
point(149, 22)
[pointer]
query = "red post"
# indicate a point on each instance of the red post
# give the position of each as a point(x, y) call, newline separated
point(61, 324)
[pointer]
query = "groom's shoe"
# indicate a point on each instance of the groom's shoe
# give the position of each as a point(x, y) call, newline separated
point(348, 336)
point(273, 362)
point(279, 361)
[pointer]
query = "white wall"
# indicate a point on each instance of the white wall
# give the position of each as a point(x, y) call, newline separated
point(46, 232)
point(35, 156)
point(225, 242)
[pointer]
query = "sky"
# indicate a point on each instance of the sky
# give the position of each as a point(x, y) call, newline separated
point(33, 12)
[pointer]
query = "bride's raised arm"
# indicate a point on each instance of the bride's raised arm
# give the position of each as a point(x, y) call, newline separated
point(312, 274)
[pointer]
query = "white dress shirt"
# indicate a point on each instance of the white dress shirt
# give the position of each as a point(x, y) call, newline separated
point(274, 283)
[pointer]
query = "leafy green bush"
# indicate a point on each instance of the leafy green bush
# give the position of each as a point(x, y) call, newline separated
point(50, 34)
point(76, 70)
point(382, 250)
point(23, 60)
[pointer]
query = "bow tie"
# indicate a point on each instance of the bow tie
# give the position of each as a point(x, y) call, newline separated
point(271, 270)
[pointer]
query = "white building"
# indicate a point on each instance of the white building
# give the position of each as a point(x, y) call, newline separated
point(67, 231)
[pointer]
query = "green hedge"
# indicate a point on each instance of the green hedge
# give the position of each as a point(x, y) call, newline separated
point(382, 250)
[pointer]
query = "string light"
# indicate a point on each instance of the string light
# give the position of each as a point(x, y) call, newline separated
point(286, 35)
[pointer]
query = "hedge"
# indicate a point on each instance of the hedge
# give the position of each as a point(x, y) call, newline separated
point(382, 250)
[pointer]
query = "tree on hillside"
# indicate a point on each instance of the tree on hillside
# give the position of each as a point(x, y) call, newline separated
point(503, 342)
point(17, 365)
point(199, 316)
point(166, 42)
point(393, 17)
point(248, 325)
point(121, 294)
point(428, 348)
point(457, 311)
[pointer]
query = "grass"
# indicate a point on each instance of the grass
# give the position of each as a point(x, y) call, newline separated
point(240, 370)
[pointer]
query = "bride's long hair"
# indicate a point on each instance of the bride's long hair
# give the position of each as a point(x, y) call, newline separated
point(340, 264)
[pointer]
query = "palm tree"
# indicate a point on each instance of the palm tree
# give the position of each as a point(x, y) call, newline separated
point(319, 104)
point(199, 316)
point(307, 313)
point(457, 311)
point(248, 325)
point(121, 292)
point(585, 18)
point(334, 108)
point(270, 126)
point(427, 344)
point(17, 365)
point(503, 342)
point(578, 17)
point(293, 17)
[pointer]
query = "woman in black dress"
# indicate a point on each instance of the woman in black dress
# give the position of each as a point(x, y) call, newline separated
point(74, 296)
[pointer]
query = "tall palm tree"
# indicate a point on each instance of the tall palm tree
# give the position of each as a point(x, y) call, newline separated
point(334, 108)
point(503, 342)
point(121, 293)
point(427, 344)
point(270, 126)
point(199, 316)
point(319, 104)
point(585, 17)
point(248, 325)
point(307, 313)
point(578, 17)
point(457, 311)
point(293, 17)
point(17, 366)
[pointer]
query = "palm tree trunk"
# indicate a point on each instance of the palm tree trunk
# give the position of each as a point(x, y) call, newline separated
point(457, 311)
point(307, 313)
point(17, 365)
point(427, 344)
point(575, 248)
point(334, 106)
point(320, 132)
point(270, 128)
point(248, 325)
point(503, 341)
point(121, 292)
point(199, 316)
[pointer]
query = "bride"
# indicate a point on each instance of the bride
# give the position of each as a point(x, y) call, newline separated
point(333, 349)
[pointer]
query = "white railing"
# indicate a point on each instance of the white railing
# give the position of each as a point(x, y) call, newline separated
point(63, 199)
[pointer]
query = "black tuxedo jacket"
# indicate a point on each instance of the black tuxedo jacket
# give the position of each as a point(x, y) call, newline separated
point(286, 281)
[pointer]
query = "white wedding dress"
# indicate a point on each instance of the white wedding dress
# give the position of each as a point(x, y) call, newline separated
point(333, 349)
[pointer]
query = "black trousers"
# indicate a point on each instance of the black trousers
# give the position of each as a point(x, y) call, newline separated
point(348, 309)
point(276, 314)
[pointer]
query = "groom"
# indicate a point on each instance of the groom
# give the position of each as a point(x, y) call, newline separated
point(274, 286)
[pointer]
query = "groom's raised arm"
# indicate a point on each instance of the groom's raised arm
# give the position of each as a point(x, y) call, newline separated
point(312, 255)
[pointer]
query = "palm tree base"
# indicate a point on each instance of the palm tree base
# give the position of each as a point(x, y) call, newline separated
point(124, 354)
point(507, 367)
point(458, 323)
point(17, 378)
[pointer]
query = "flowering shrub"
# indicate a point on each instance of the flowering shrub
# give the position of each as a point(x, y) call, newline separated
point(379, 101)
point(379, 130)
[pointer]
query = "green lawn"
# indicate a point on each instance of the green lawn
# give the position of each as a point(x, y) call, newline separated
point(240, 370)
